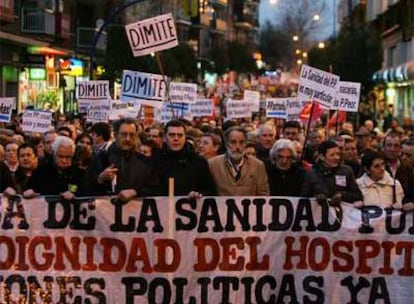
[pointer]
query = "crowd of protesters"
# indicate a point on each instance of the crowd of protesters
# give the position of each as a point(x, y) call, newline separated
point(208, 157)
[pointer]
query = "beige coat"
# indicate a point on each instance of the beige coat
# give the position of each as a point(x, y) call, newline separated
point(380, 193)
point(253, 180)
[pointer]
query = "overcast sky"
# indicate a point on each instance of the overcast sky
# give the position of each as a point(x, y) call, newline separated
point(269, 12)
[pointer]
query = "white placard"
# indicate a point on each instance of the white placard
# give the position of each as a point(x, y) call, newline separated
point(238, 109)
point(120, 109)
point(7, 104)
point(93, 89)
point(202, 107)
point(317, 85)
point(183, 92)
point(99, 111)
point(293, 108)
point(254, 98)
point(181, 110)
point(83, 105)
point(276, 107)
point(152, 35)
point(347, 98)
point(36, 121)
point(143, 86)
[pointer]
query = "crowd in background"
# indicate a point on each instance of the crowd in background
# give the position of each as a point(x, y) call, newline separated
point(257, 156)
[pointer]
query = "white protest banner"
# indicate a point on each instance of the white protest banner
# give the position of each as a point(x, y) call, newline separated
point(183, 92)
point(276, 107)
point(254, 98)
point(238, 109)
point(317, 85)
point(202, 107)
point(93, 89)
point(83, 105)
point(36, 121)
point(99, 111)
point(347, 98)
point(7, 104)
point(181, 110)
point(120, 109)
point(275, 249)
point(142, 86)
point(293, 108)
point(152, 35)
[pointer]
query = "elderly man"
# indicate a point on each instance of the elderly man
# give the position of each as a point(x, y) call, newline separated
point(127, 172)
point(236, 173)
point(397, 168)
point(267, 137)
point(56, 177)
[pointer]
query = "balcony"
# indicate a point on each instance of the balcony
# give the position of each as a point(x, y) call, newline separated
point(36, 21)
point(85, 37)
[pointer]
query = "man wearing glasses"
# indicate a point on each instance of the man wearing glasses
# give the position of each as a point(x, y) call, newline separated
point(127, 173)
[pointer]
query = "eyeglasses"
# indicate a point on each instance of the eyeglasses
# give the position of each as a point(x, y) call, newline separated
point(178, 135)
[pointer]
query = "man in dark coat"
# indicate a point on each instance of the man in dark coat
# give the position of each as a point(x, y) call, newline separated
point(127, 173)
point(177, 160)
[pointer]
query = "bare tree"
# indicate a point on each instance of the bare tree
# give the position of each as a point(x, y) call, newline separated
point(303, 18)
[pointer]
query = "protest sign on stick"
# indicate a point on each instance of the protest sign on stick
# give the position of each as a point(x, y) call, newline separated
point(152, 35)
point(36, 121)
point(7, 104)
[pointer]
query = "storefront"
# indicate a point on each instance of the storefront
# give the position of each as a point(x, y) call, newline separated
point(397, 86)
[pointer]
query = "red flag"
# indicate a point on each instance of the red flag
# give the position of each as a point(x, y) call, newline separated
point(305, 114)
point(341, 119)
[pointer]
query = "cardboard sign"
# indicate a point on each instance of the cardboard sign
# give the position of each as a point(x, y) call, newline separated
point(83, 105)
point(152, 35)
point(238, 109)
point(143, 86)
point(276, 107)
point(317, 85)
point(121, 109)
point(181, 110)
point(94, 89)
point(202, 107)
point(347, 98)
point(183, 92)
point(99, 111)
point(293, 108)
point(7, 105)
point(254, 98)
point(36, 121)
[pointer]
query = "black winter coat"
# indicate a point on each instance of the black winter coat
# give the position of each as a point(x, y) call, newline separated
point(329, 181)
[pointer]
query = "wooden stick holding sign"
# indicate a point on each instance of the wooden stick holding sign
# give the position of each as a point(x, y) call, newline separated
point(167, 84)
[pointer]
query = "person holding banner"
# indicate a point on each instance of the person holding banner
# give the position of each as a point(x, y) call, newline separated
point(377, 186)
point(285, 175)
point(56, 177)
point(179, 161)
point(234, 172)
point(127, 173)
point(329, 179)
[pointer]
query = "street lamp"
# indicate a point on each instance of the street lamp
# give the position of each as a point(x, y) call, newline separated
point(299, 61)
point(305, 55)
point(316, 17)
point(295, 38)
point(297, 51)
point(321, 45)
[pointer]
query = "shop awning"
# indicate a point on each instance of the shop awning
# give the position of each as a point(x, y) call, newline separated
point(401, 73)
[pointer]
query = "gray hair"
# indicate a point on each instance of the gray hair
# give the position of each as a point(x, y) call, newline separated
point(62, 141)
point(265, 126)
point(281, 144)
